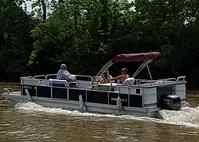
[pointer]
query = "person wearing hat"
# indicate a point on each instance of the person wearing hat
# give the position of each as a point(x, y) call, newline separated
point(64, 74)
point(122, 77)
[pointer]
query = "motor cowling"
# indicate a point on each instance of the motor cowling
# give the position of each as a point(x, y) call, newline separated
point(171, 102)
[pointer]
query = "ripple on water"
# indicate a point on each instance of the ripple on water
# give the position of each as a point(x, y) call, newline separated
point(187, 116)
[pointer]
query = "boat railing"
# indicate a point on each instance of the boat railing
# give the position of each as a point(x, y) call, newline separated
point(58, 83)
point(53, 76)
point(84, 77)
point(181, 78)
point(39, 76)
point(167, 79)
point(85, 82)
point(140, 83)
point(79, 77)
point(109, 88)
point(30, 81)
point(50, 76)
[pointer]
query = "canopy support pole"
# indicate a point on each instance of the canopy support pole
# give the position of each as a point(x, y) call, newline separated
point(149, 72)
point(141, 67)
point(105, 68)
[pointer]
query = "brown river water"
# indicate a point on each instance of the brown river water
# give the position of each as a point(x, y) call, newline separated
point(29, 122)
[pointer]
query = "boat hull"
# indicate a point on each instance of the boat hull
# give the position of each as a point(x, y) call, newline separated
point(76, 105)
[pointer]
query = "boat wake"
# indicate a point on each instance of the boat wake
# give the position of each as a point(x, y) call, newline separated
point(187, 116)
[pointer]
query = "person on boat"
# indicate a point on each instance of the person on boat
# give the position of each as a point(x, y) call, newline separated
point(64, 74)
point(122, 77)
point(105, 78)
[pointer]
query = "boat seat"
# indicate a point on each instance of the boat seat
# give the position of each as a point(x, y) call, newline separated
point(58, 83)
point(129, 81)
point(181, 78)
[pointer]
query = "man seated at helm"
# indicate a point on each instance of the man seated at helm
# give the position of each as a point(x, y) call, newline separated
point(122, 77)
point(64, 74)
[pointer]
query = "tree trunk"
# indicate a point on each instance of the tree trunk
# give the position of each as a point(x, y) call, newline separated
point(43, 4)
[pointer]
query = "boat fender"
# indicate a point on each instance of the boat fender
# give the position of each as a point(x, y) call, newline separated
point(119, 103)
point(81, 104)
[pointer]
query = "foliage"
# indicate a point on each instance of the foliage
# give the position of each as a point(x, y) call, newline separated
point(15, 42)
point(86, 33)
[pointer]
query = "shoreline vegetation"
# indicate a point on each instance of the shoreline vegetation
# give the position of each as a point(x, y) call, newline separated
point(84, 34)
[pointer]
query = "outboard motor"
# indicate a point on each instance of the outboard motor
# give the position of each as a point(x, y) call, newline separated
point(171, 102)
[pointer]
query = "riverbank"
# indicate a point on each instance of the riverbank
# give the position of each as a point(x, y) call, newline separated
point(13, 86)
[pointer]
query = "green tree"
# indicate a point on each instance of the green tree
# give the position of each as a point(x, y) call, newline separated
point(15, 40)
point(79, 32)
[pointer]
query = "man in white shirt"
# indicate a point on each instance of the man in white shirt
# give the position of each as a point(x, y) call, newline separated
point(64, 74)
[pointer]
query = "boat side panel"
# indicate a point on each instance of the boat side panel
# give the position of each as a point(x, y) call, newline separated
point(43, 91)
point(113, 98)
point(59, 93)
point(31, 90)
point(84, 84)
point(74, 94)
point(181, 91)
point(88, 95)
point(97, 97)
point(149, 96)
point(124, 99)
point(135, 101)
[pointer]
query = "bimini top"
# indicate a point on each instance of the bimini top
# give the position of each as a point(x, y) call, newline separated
point(136, 57)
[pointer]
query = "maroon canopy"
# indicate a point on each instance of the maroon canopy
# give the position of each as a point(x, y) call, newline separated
point(137, 57)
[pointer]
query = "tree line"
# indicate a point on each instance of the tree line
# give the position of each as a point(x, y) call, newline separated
point(85, 34)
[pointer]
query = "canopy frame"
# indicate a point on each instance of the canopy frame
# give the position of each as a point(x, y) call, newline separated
point(146, 58)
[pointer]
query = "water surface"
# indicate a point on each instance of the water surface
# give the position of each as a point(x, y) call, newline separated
point(29, 122)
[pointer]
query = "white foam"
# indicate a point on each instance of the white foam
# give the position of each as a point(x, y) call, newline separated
point(187, 116)
point(33, 107)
